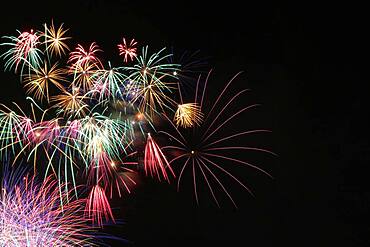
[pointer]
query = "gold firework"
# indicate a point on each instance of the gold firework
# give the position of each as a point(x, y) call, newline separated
point(54, 40)
point(70, 104)
point(188, 115)
point(38, 82)
point(151, 96)
point(83, 75)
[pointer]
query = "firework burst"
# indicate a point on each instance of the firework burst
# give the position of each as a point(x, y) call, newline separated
point(127, 50)
point(202, 150)
point(188, 115)
point(81, 56)
point(155, 163)
point(37, 83)
point(24, 51)
point(32, 215)
point(55, 40)
point(108, 83)
point(70, 104)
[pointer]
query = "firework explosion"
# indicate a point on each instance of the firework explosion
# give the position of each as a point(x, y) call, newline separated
point(32, 214)
point(85, 116)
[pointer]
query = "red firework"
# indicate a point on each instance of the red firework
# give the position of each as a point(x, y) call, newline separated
point(127, 50)
point(81, 57)
point(155, 163)
point(98, 206)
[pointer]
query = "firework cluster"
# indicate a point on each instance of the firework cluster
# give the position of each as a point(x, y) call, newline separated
point(85, 119)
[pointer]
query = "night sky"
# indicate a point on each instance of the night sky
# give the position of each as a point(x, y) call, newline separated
point(303, 63)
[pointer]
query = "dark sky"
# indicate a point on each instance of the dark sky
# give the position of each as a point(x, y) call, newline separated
point(304, 63)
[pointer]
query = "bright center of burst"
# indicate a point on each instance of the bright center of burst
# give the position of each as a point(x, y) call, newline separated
point(174, 73)
point(113, 164)
point(192, 152)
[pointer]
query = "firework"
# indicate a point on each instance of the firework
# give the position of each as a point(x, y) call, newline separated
point(127, 49)
point(190, 66)
point(98, 206)
point(55, 40)
point(188, 115)
point(71, 104)
point(10, 130)
point(92, 133)
point(81, 56)
point(24, 51)
point(32, 215)
point(37, 83)
point(155, 163)
point(151, 97)
point(204, 152)
point(108, 83)
point(150, 68)
point(82, 76)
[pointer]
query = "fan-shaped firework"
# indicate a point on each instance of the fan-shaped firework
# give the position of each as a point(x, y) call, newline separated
point(188, 115)
point(81, 56)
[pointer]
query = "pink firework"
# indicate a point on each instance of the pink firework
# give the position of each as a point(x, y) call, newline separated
point(103, 170)
point(155, 163)
point(127, 50)
point(47, 131)
point(98, 206)
point(81, 57)
point(26, 44)
point(32, 215)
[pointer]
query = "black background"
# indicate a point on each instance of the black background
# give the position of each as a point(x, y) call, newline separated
point(304, 62)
